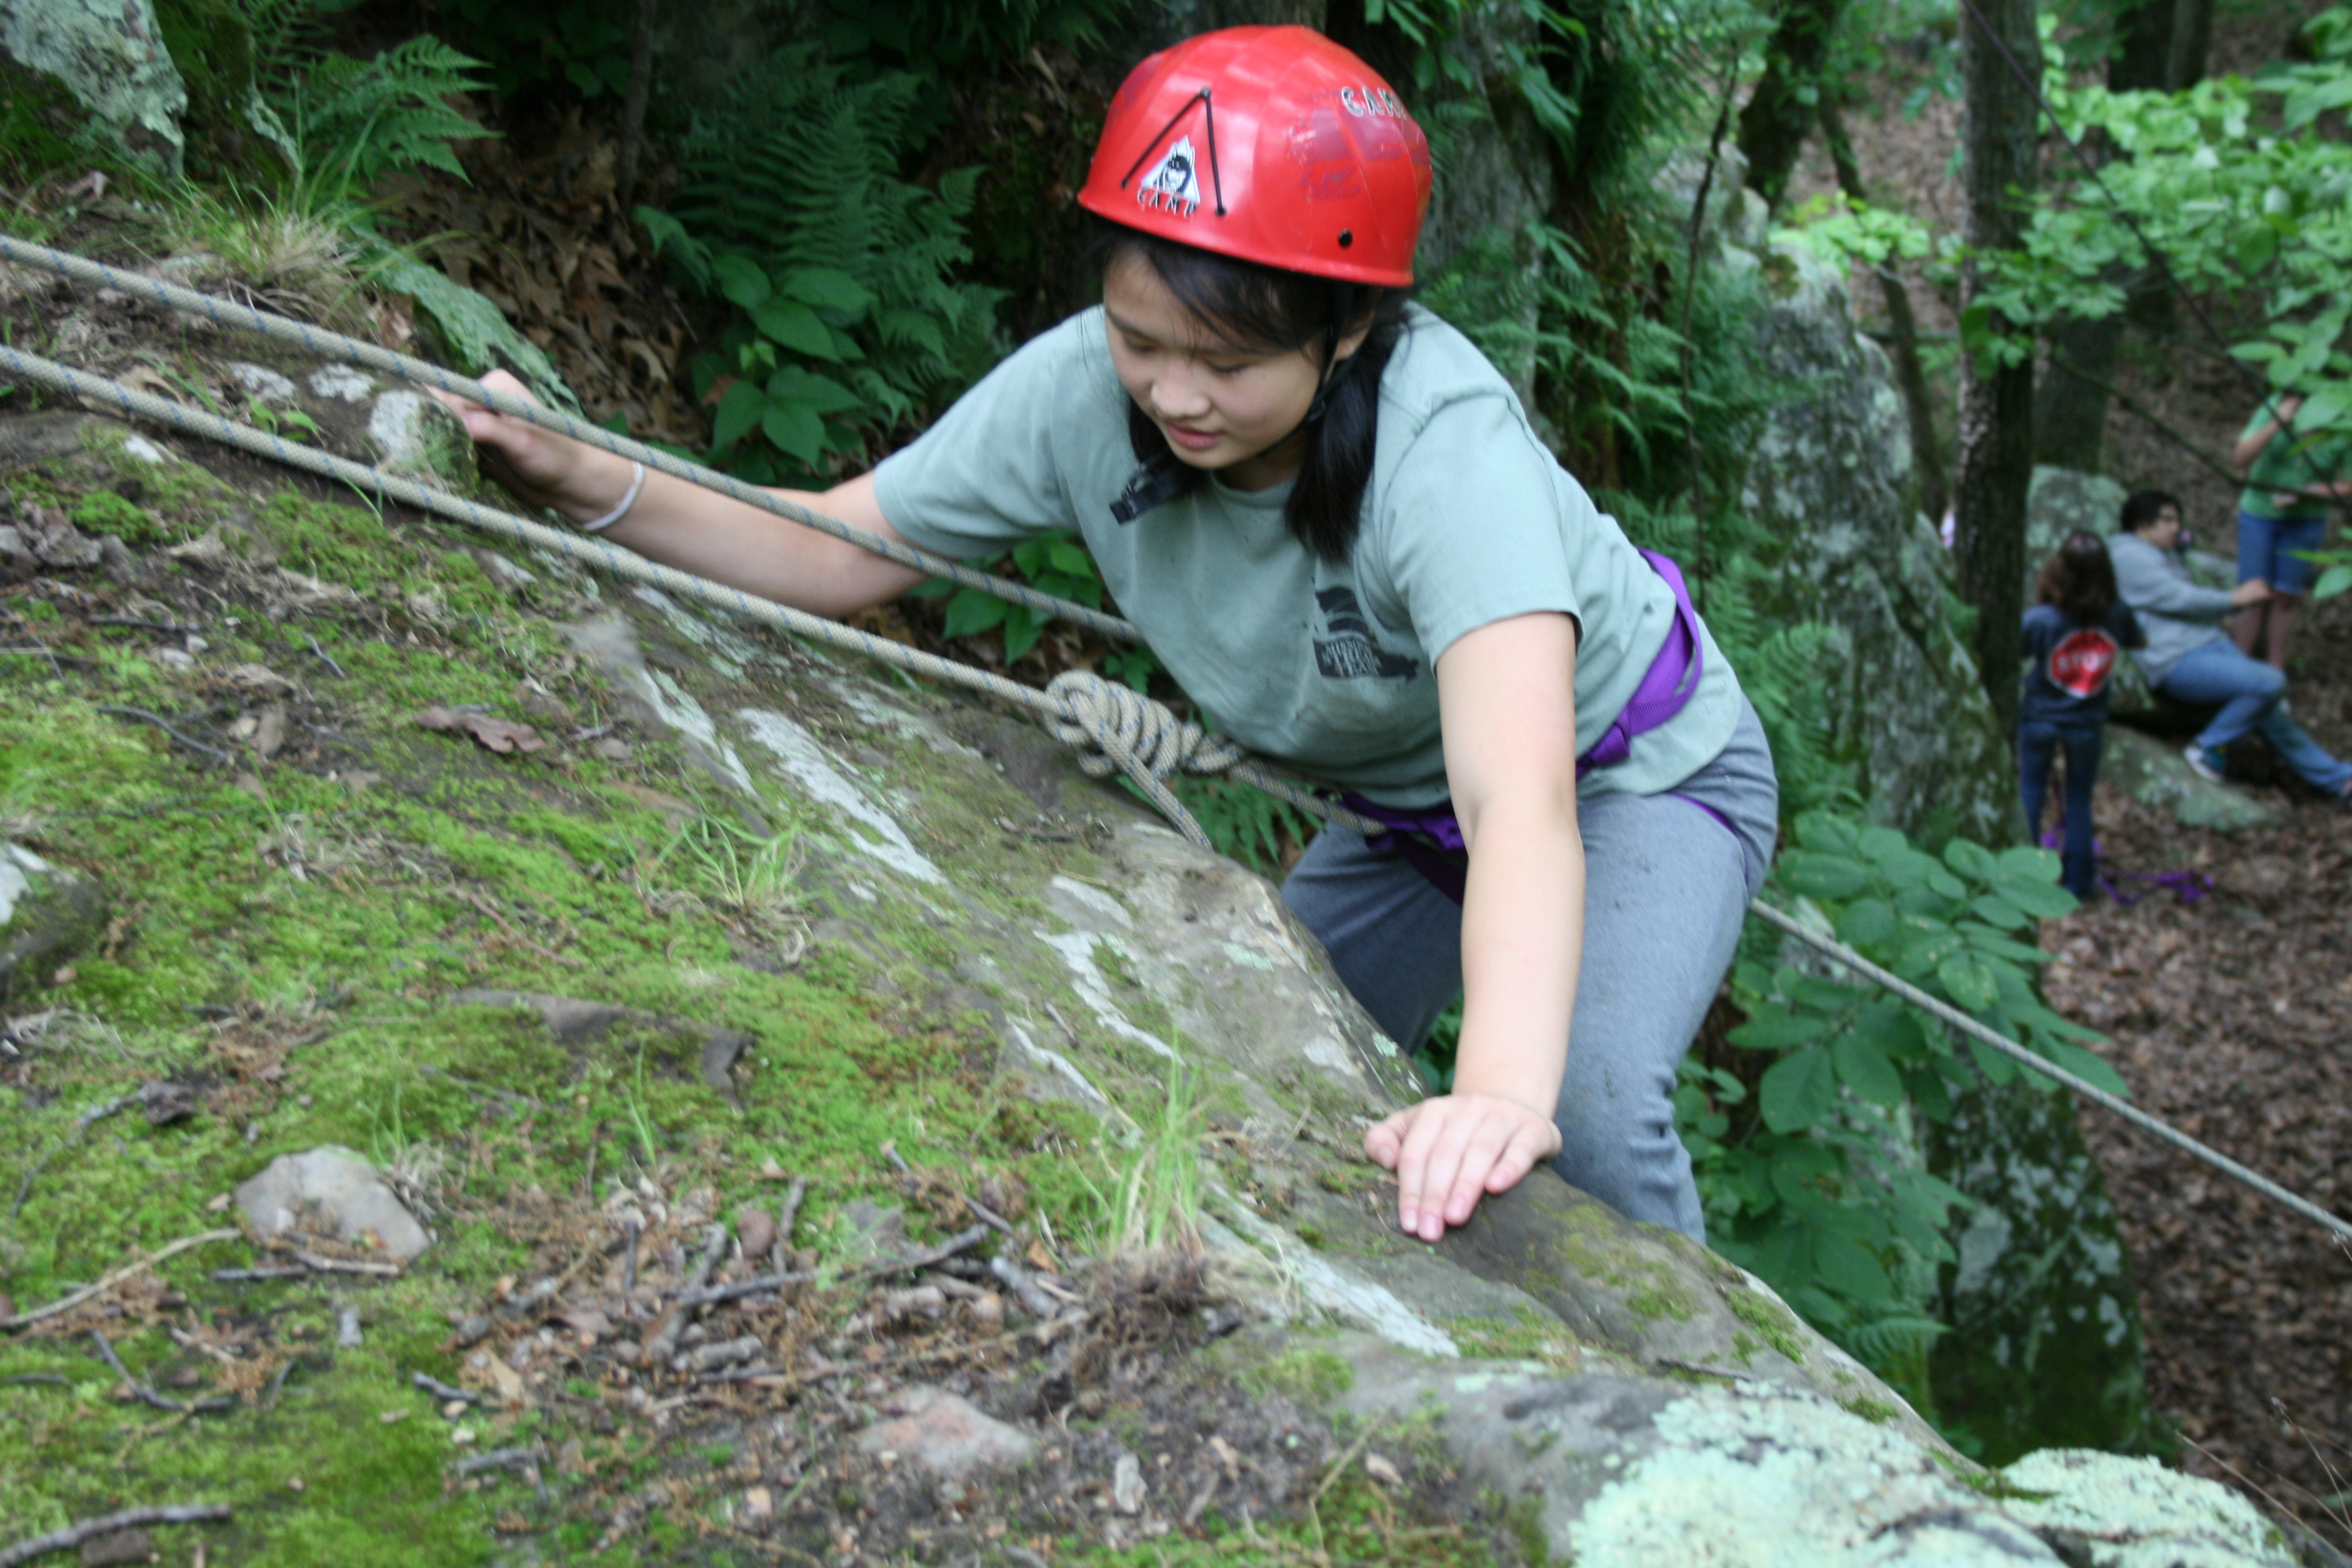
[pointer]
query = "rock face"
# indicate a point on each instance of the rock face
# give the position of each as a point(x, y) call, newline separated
point(2152, 771)
point(110, 54)
point(330, 1192)
point(46, 914)
point(1832, 484)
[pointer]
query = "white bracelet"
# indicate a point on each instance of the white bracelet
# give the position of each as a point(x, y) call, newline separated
point(636, 484)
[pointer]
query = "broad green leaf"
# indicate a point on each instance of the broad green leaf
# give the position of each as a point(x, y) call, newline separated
point(1866, 923)
point(1998, 1069)
point(738, 411)
point(2333, 581)
point(1999, 911)
point(1882, 844)
point(1969, 858)
point(1863, 1069)
point(1930, 1096)
point(1851, 1269)
point(1926, 950)
point(2027, 864)
point(1911, 868)
point(2041, 899)
point(1021, 628)
point(1944, 882)
point(1797, 1167)
point(817, 394)
point(1891, 1030)
point(973, 611)
point(829, 289)
point(1992, 944)
point(1968, 981)
point(1773, 1028)
point(796, 431)
point(1833, 835)
point(742, 280)
point(796, 326)
point(1822, 875)
point(2088, 1065)
point(1797, 1090)
point(1073, 558)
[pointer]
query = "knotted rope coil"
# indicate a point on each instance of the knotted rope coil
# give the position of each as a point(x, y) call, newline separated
point(1115, 727)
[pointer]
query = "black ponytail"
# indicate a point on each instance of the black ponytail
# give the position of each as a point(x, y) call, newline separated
point(1266, 309)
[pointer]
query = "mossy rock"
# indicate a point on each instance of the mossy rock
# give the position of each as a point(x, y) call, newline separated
point(48, 914)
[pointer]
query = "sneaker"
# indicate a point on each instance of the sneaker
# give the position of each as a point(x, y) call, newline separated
point(2202, 762)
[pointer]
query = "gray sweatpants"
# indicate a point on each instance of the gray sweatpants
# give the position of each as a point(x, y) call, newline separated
point(1666, 884)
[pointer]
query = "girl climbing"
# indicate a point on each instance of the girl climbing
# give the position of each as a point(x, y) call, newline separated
point(1329, 515)
point(2075, 632)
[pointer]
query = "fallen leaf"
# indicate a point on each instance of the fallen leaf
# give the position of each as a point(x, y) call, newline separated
point(497, 734)
point(1381, 1469)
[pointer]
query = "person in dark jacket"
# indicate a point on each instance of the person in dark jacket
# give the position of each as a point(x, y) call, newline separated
point(2075, 632)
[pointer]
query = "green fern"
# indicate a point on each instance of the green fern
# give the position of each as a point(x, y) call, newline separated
point(344, 123)
point(791, 207)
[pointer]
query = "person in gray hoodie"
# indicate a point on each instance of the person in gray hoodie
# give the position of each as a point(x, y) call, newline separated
point(2189, 657)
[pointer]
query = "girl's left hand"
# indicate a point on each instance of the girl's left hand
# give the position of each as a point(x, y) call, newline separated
point(1451, 1149)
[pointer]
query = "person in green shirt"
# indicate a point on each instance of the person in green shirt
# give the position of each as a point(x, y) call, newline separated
point(2292, 476)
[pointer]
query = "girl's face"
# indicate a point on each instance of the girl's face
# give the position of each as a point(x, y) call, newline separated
point(1231, 410)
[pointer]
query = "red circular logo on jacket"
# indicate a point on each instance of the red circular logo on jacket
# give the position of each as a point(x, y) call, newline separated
point(2080, 661)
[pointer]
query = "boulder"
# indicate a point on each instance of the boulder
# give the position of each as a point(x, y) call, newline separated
point(1831, 484)
point(2153, 773)
point(109, 56)
point(47, 913)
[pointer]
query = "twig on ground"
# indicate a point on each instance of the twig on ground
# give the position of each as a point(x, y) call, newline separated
point(711, 1295)
point(73, 1536)
point(664, 1344)
point(1017, 1279)
point(327, 658)
point(73, 1298)
point(145, 1392)
point(440, 1390)
point(788, 1215)
point(629, 1274)
point(897, 1160)
point(248, 1276)
point(44, 1379)
point(988, 1216)
point(82, 1124)
point(501, 1460)
point(345, 1265)
point(215, 752)
point(134, 624)
point(961, 1241)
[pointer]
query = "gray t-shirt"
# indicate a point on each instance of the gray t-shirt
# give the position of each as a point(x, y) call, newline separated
point(1326, 668)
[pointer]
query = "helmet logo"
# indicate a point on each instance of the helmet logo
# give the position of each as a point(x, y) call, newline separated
point(1377, 101)
point(1174, 183)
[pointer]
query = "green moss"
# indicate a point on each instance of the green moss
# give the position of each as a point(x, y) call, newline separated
point(1303, 1372)
point(1774, 1324)
point(1878, 1412)
point(103, 511)
point(1528, 1336)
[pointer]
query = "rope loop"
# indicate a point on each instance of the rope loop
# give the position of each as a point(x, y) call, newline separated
point(1115, 727)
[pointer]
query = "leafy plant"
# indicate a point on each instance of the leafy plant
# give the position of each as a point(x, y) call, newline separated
point(791, 208)
point(1800, 1164)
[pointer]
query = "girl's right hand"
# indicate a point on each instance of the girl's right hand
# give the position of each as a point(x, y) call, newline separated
point(539, 466)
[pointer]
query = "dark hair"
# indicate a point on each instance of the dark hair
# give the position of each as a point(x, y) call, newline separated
point(1265, 308)
point(2145, 506)
point(2079, 580)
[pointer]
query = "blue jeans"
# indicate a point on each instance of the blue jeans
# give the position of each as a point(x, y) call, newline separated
point(2038, 745)
point(2252, 700)
point(1666, 890)
point(2269, 548)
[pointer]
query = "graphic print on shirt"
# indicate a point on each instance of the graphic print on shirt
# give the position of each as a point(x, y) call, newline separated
point(2080, 661)
point(1175, 185)
point(1346, 650)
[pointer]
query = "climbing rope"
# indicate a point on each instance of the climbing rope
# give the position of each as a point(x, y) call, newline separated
point(1113, 727)
point(328, 346)
point(1127, 731)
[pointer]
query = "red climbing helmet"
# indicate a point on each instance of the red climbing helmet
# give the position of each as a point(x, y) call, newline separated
point(1272, 144)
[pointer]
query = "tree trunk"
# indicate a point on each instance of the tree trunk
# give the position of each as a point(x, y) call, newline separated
point(1902, 334)
point(1780, 112)
point(2070, 406)
point(1995, 423)
point(633, 107)
point(2192, 41)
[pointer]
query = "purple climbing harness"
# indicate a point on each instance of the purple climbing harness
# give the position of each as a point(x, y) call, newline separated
point(2187, 886)
point(1430, 836)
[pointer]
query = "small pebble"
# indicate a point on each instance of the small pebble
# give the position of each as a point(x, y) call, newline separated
point(461, 1436)
point(454, 1409)
point(294, 1483)
point(347, 1329)
point(756, 1230)
point(391, 1416)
